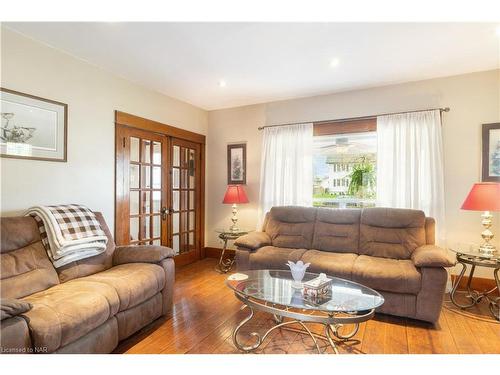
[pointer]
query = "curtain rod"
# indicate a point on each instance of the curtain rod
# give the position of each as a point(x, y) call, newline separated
point(446, 109)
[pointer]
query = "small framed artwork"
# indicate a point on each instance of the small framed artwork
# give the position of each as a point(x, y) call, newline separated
point(237, 164)
point(491, 152)
point(32, 127)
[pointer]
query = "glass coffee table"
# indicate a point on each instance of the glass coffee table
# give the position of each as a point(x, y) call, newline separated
point(271, 291)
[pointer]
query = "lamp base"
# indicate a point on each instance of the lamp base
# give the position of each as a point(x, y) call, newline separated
point(487, 248)
point(234, 219)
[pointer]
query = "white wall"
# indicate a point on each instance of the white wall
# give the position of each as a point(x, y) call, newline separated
point(474, 99)
point(92, 96)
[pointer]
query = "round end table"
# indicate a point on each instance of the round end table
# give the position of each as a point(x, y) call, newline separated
point(224, 265)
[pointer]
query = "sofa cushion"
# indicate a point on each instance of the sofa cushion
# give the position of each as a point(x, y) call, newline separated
point(10, 307)
point(333, 264)
point(337, 230)
point(66, 312)
point(134, 282)
point(26, 270)
point(391, 232)
point(291, 226)
point(391, 275)
point(271, 257)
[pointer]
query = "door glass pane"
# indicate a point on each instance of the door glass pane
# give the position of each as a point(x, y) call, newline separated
point(134, 228)
point(184, 178)
point(175, 200)
point(176, 156)
point(156, 201)
point(184, 158)
point(146, 202)
point(191, 220)
point(175, 223)
point(134, 202)
point(134, 176)
point(146, 177)
point(191, 200)
point(156, 226)
point(156, 177)
point(157, 242)
point(146, 151)
point(191, 169)
point(134, 149)
point(184, 200)
point(175, 244)
point(175, 178)
point(156, 153)
point(184, 243)
point(183, 221)
point(145, 220)
point(191, 238)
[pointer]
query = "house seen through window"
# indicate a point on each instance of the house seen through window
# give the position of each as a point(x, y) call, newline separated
point(344, 170)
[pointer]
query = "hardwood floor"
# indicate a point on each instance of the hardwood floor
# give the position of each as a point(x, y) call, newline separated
point(206, 311)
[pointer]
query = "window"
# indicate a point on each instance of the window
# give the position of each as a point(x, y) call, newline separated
point(344, 169)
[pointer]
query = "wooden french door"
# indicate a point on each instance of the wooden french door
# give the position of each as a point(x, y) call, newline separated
point(158, 192)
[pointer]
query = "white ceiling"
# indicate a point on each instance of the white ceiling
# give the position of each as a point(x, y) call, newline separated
point(262, 62)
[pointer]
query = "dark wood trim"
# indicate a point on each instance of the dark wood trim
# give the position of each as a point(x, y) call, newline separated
point(344, 127)
point(485, 152)
point(127, 119)
point(478, 283)
point(244, 167)
point(214, 252)
point(202, 200)
point(65, 106)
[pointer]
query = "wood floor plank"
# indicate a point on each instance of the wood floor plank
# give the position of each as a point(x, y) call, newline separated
point(206, 312)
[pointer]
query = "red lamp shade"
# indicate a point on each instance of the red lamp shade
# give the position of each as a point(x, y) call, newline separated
point(484, 196)
point(235, 194)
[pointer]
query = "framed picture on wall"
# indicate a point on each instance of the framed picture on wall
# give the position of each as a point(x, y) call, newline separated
point(491, 152)
point(237, 164)
point(32, 127)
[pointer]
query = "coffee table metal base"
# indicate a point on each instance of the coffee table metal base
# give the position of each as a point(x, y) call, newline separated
point(331, 322)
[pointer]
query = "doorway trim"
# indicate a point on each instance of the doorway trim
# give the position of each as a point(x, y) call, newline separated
point(129, 120)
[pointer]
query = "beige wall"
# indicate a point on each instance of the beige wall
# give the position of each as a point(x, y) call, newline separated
point(473, 98)
point(92, 96)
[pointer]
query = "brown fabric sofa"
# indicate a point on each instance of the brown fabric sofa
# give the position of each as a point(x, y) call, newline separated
point(87, 306)
point(389, 250)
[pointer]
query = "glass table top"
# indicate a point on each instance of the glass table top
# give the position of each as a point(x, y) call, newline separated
point(275, 287)
point(472, 250)
point(240, 231)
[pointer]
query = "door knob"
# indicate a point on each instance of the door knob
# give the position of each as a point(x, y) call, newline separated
point(164, 212)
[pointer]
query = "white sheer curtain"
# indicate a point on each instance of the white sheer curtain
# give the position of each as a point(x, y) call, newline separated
point(410, 164)
point(286, 176)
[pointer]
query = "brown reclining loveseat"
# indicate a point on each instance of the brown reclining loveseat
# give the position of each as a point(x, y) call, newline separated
point(86, 306)
point(390, 250)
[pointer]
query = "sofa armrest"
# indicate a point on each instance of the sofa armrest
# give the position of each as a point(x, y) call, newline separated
point(253, 241)
point(141, 254)
point(432, 256)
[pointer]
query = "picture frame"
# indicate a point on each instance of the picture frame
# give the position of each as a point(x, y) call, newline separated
point(491, 152)
point(32, 127)
point(237, 164)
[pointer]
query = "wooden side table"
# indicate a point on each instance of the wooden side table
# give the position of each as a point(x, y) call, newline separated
point(224, 265)
point(470, 255)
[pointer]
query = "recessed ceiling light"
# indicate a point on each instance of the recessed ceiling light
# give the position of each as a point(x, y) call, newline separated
point(334, 62)
point(222, 83)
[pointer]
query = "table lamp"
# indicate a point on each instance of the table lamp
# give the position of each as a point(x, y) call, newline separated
point(484, 196)
point(235, 194)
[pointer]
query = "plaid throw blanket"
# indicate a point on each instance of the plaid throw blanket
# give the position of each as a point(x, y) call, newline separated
point(69, 232)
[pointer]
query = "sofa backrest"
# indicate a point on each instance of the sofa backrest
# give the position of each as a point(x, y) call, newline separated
point(291, 226)
point(26, 268)
point(391, 232)
point(89, 266)
point(382, 232)
point(24, 265)
point(337, 230)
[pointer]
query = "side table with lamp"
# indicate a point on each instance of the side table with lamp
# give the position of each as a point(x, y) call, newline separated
point(485, 197)
point(235, 194)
